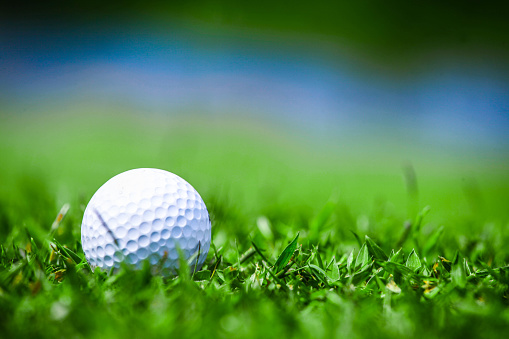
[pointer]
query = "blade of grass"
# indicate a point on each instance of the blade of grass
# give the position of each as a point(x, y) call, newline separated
point(286, 255)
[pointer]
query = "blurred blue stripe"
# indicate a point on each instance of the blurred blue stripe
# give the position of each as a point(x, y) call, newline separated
point(326, 93)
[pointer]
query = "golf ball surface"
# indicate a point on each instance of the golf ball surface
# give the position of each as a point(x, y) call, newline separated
point(146, 214)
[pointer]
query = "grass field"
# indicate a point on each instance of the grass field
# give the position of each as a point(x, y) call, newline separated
point(310, 238)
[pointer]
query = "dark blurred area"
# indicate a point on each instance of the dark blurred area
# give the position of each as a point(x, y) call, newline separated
point(391, 29)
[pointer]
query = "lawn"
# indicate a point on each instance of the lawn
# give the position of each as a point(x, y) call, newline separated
point(311, 238)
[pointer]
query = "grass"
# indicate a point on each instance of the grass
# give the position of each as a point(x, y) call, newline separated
point(336, 243)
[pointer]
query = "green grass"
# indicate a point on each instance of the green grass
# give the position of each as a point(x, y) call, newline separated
point(308, 241)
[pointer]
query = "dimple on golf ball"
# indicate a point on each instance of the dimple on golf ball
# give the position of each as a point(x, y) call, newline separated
point(146, 214)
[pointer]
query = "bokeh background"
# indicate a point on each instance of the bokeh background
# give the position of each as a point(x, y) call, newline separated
point(384, 107)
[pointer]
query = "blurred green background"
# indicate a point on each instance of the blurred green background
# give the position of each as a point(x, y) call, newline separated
point(263, 106)
point(329, 121)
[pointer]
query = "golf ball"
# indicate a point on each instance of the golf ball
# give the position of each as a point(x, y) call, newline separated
point(146, 214)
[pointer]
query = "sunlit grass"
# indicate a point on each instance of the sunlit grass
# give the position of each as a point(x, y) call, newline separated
point(308, 240)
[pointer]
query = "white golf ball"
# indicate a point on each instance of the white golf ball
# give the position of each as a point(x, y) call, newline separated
point(146, 214)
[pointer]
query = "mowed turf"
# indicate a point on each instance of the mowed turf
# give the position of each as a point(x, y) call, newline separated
point(329, 238)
